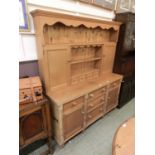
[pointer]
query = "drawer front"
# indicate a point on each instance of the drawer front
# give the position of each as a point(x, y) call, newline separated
point(94, 103)
point(95, 114)
point(112, 99)
point(38, 93)
point(73, 104)
point(115, 84)
point(25, 96)
point(97, 93)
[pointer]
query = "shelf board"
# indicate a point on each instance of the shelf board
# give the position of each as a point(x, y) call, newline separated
point(85, 72)
point(85, 60)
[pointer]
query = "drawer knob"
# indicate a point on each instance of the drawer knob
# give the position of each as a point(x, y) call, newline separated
point(82, 112)
point(74, 103)
point(91, 105)
point(89, 116)
point(102, 99)
point(101, 109)
point(91, 95)
point(103, 89)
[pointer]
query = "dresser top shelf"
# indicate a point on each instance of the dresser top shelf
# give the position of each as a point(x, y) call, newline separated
point(63, 95)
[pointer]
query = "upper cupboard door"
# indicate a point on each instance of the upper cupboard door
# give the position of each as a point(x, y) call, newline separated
point(108, 57)
point(57, 65)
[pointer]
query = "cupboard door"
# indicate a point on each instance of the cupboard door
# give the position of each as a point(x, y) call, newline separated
point(73, 122)
point(108, 58)
point(112, 100)
point(58, 67)
point(32, 125)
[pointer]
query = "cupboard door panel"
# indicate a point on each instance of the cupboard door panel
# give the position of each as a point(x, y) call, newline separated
point(112, 100)
point(58, 66)
point(32, 124)
point(73, 123)
point(108, 58)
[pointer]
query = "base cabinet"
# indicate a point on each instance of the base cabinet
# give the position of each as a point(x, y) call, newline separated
point(73, 119)
point(76, 115)
point(112, 99)
point(35, 123)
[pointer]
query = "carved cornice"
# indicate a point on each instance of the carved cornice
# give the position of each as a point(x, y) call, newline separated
point(75, 21)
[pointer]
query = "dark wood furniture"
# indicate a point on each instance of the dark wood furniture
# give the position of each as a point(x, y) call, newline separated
point(125, 56)
point(35, 123)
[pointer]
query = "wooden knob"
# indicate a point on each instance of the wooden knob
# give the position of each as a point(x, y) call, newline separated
point(91, 95)
point(82, 112)
point(74, 103)
point(103, 89)
point(102, 99)
point(101, 109)
point(89, 116)
point(91, 105)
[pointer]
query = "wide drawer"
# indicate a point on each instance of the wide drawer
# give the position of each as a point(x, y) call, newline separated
point(97, 93)
point(94, 103)
point(73, 104)
point(115, 84)
point(95, 114)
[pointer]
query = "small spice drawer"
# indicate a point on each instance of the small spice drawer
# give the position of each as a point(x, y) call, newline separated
point(77, 79)
point(92, 104)
point(73, 104)
point(95, 114)
point(115, 84)
point(97, 93)
point(25, 96)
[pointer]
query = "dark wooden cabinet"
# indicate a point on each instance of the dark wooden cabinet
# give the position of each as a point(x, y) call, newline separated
point(35, 123)
point(125, 56)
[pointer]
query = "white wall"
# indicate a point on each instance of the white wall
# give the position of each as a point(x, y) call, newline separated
point(27, 46)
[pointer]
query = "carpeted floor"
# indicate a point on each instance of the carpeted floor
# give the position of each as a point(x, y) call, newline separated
point(96, 139)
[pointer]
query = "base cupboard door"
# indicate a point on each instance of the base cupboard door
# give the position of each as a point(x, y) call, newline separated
point(32, 126)
point(73, 122)
point(112, 99)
